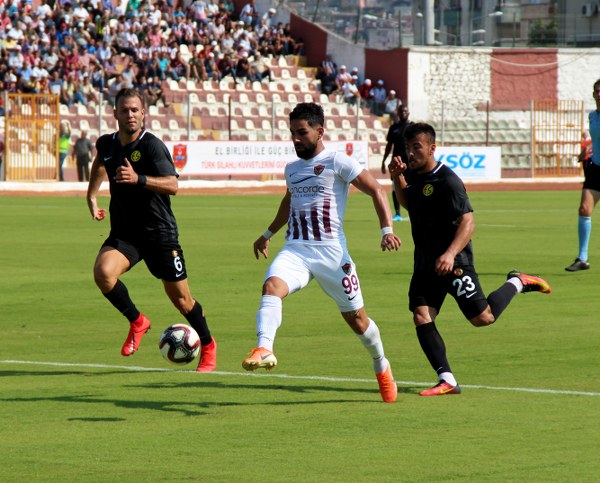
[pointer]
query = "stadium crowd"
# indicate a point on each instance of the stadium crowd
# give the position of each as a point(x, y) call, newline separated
point(347, 86)
point(81, 49)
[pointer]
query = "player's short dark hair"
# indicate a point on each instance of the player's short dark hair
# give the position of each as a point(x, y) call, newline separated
point(128, 92)
point(417, 128)
point(310, 112)
point(596, 83)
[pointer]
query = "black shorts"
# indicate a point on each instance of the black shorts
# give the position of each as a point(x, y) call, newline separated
point(164, 260)
point(429, 289)
point(592, 176)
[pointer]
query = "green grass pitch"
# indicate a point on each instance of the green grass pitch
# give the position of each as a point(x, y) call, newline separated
point(73, 409)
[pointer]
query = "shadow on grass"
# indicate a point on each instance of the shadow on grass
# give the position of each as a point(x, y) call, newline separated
point(186, 408)
point(200, 408)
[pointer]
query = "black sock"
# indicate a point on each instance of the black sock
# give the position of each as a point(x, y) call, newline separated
point(499, 299)
point(197, 320)
point(119, 297)
point(396, 203)
point(433, 346)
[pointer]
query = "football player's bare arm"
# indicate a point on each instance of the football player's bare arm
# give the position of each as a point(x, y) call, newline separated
point(97, 175)
point(366, 183)
point(466, 225)
point(261, 245)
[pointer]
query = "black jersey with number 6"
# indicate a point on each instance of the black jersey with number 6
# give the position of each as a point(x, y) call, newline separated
point(435, 202)
point(136, 213)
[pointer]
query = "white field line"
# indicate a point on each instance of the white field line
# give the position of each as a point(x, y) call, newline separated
point(285, 376)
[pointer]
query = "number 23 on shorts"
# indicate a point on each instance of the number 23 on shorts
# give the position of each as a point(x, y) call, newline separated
point(464, 286)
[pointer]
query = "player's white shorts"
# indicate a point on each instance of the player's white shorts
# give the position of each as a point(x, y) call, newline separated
point(330, 265)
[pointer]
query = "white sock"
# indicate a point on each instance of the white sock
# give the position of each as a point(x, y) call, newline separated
point(448, 377)
point(516, 281)
point(268, 320)
point(371, 339)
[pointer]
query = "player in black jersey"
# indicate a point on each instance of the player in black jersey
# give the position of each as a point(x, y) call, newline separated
point(442, 224)
point(396, 146)
point(142, 178)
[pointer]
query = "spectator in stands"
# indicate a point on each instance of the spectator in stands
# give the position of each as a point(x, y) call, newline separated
point(81, 37)
point(128, 75)
point(342, 78)
point(198, 11)
point(327, 78)
point(77, 94)
point(391, 104)
point(142, 84)
point(80, 13)
point(266, 44)
point(350, 91)
point(86, 59)
point(156, 93)
point(227, 67)
point(82, 151)
point(88, 91)
point(292, 46)
point(211, 67)
point(114, 86)
point(212, 9)
point(97, 78)
point(328, 63)
point(242, 68)
point(379, 97)
point(267, 18)
point(152, 67)
point(196, 69)
point(365, 94)
point(105, 52)
point(64, 146)
point(249, 14)
point(227, 43)
point(50, 58)
point(165, 67)
point(259, 69)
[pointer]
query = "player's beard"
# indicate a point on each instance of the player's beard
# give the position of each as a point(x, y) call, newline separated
point(306, 151)
point(132, 128)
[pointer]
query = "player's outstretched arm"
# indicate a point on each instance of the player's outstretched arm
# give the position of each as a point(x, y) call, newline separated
point(261, 245)
point(366, 183)
point(97, 175)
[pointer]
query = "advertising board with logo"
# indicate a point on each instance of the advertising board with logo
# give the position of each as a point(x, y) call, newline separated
point(473, 162)
point(210, 158)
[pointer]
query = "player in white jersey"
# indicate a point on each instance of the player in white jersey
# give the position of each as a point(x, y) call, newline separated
point(313, 208)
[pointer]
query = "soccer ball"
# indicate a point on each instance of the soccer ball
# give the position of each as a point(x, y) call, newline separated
point(179, 344)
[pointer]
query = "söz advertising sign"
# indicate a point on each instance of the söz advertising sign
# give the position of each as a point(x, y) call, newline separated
point(472, 163)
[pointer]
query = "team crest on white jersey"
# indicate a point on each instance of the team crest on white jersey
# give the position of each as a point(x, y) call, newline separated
point(319, 169)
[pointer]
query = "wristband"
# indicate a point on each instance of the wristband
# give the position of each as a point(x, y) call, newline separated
point(267, 234)
point(386, 230)
point(142, 180)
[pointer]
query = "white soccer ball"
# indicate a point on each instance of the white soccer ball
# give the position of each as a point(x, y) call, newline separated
point(179, 344)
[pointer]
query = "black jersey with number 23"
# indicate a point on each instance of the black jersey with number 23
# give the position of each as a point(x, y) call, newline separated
point(435, 202)
point(138, 214)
